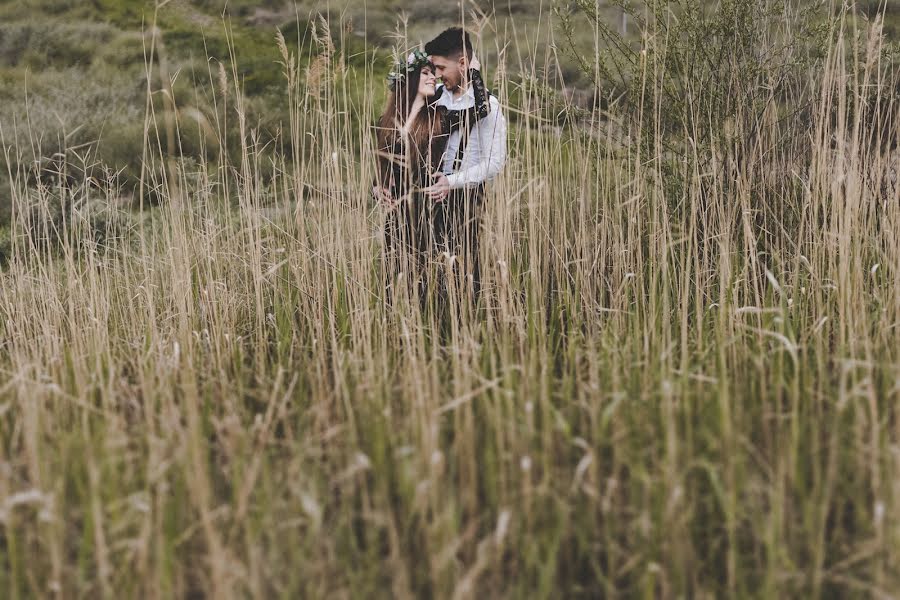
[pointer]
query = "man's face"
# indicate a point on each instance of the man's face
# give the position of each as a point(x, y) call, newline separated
point(450, 70)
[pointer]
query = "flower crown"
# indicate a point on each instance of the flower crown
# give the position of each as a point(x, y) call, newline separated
point(415, 61)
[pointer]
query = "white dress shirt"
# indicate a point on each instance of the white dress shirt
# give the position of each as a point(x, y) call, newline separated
point(485, 152)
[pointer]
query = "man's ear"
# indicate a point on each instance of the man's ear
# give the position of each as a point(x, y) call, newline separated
point(463, 62)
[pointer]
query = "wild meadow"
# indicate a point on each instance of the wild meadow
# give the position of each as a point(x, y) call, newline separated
point(681, 381)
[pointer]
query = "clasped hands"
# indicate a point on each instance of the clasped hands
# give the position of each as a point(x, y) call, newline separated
point(438, 191)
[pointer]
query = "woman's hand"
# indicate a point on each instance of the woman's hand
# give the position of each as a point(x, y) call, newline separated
point(383, 196)
point(475, 63)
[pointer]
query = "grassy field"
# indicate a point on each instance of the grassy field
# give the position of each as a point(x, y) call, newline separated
point(682, 380)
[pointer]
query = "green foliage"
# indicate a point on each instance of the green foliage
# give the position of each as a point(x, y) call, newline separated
point(697, 85)
point(5, 239)
point(708, 65)
point(83, 67)
point(52, 44)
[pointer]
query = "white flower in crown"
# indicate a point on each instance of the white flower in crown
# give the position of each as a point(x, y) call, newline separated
point(416, 60)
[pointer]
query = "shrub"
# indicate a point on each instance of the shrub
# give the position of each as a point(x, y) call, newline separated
point(53, 44)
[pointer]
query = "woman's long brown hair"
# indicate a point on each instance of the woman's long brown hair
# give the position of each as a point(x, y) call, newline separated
point(421, 132)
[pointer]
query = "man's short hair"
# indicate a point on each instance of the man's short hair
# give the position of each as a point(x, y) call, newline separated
point(451, 44)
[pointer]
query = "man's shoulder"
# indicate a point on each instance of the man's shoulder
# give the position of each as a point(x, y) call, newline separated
point(496, 113)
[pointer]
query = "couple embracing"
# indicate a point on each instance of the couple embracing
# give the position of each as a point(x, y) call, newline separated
point(438, 144)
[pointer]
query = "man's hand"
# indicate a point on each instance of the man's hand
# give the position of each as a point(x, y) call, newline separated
point(384, 197)
point(440, 189)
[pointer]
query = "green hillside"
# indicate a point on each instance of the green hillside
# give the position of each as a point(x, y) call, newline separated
point(73, 75)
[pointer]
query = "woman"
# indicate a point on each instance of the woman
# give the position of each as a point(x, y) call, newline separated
point(412, 138)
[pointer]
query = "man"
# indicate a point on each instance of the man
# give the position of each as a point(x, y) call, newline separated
point(474, 155)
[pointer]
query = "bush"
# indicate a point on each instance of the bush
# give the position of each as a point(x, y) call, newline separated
point(53, 44)
point(707, 67)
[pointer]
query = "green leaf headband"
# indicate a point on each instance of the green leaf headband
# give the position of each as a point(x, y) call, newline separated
point(415, 61)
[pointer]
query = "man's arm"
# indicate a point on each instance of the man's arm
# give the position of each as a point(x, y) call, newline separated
point(493, 155)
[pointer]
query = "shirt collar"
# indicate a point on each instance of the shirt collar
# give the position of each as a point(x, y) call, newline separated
point(447, 99)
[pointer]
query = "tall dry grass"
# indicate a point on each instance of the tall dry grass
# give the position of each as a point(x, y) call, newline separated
point(680, 389)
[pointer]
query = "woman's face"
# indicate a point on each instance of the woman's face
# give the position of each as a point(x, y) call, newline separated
point(426, 82)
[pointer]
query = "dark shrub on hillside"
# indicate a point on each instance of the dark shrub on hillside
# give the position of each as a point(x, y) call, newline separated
point(52, 44)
